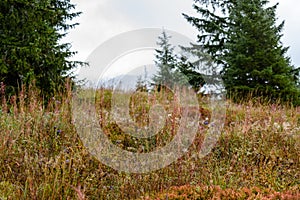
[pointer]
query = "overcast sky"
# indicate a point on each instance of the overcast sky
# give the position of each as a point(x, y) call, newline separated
point(103, 19)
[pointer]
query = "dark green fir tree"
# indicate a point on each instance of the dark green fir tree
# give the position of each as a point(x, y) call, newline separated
point(255, 58)
point(174, 68)
point(31, 47)
point(165, 61)
point(243, 39)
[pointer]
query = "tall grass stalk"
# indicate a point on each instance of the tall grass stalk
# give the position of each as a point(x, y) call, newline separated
point(42, 157)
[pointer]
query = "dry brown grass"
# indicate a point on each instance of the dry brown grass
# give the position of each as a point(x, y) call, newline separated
point(41, 156)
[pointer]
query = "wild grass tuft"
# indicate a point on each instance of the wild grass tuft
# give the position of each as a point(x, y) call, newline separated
point(42, 157)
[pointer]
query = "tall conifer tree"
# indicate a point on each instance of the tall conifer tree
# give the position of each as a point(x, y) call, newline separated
point(165, 60)
point(174, 68)
point(242, 37)
point(30, 43)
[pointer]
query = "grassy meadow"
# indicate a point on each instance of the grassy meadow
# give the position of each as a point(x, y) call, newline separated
point(42, 156)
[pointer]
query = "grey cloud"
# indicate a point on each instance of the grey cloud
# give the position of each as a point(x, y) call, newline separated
point(106, 18)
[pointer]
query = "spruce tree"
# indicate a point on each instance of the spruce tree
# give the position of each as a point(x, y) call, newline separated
point(30, 44)
point(165, 60)
point(255, 59)
point(213, 26)
point(174, 68)
point(142, 82)
point(190, 72)
point(242, 37)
